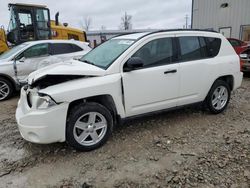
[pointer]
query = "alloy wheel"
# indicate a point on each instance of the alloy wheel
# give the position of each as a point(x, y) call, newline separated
point(220, 97)
point(90, 128)
point(4, 90)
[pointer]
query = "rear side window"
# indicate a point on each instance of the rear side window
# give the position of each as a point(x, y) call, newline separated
point(190, 48)
point(63, 48)
point(195, 48)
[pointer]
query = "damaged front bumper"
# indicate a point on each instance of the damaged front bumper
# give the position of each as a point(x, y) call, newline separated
point(41, 125)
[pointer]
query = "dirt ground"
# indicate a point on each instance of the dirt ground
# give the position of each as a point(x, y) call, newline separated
point(182, 148)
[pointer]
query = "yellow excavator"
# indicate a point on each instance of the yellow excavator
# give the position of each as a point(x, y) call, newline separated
point(30, 22)
point(3, 41)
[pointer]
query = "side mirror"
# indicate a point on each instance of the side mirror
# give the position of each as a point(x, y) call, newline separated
point(133, 63)
point(22, 59)
point(243, 56)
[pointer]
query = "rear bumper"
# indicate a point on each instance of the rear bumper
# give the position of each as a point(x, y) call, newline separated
point(41, 126)
point(238, 77)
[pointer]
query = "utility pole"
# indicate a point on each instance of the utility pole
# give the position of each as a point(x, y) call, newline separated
point(186, 17)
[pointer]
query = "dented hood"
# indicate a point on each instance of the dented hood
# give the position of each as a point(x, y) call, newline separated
point(67, 68)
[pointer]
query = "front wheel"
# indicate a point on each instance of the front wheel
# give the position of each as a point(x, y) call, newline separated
point(218, 97)
point(88, 126)
point(6, 89)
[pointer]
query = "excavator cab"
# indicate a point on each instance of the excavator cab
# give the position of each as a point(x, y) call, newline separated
point(28, 23)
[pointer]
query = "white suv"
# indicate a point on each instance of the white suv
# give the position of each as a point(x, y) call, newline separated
point(17, 63)
point(80, 101)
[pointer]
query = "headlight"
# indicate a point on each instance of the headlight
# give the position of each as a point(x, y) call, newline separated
point(39, 100)
point(44, 101)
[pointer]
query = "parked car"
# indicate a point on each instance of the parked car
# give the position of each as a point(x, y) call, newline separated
point(17, 63)
point(239, 46)
point(80, 101)
point(245, 58)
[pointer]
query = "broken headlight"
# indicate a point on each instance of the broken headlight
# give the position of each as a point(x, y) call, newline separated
point(44, 101)
point(39, 100)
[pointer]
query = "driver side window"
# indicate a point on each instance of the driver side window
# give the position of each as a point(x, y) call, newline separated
point(156, 52)
point(36, 51)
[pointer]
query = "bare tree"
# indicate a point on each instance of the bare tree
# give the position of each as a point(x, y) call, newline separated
point(126, 22)
point(87, 22)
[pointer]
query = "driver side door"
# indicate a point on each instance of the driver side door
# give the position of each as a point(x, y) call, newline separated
point(29, 59)
point(155, 86)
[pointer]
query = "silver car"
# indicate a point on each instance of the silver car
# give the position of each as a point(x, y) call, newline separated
point(17, 63)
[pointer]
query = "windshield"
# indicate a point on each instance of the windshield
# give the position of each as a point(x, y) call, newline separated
point(12, 51)
point(12, 23)
point(104, 55)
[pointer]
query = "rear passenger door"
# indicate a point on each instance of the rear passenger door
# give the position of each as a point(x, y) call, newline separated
point(60, 52)
point(196, 57)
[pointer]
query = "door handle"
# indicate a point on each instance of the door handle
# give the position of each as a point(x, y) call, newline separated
point(170, 71)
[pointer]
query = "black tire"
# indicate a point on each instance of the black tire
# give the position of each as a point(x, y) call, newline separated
point(9, 87)
point(210, 96)
point(79, 111)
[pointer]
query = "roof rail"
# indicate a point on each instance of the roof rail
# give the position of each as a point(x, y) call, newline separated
point(162, 30)
point(171, 30)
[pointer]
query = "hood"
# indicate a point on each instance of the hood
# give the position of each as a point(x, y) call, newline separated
point(71, 68)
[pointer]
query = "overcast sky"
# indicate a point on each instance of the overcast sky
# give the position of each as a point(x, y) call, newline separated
point(154, 14)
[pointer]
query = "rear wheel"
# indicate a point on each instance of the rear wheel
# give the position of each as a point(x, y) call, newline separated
point(218, 97)
point(89, 126)
point(6, 89)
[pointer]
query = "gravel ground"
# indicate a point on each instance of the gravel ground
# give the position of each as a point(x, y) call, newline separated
point(182, 148)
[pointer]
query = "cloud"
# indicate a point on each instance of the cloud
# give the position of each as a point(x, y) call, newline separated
point(145, 13)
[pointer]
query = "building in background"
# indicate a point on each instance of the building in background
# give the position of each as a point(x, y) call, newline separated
point(229, 17)
point(99, 36)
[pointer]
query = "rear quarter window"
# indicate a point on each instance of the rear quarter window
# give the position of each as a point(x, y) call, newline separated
point(213, 46)
point(64, 48)
point(76, 48)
